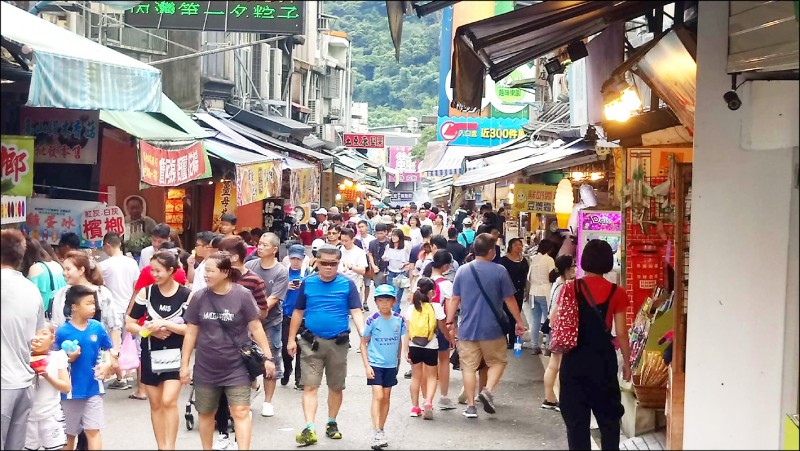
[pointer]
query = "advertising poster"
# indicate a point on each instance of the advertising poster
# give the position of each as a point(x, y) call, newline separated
point(16, 161)
point(482, 131)
point(49, 219)
point(255, 182)
point(534, 199)
point(173, 167)
point(304, 186)
point(97, 221)
point(61, 135)
point(224, 201)
point(174, 209)
point(400, 158)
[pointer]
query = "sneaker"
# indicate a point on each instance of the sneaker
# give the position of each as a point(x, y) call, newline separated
point(551, 406)
point(427, 411)
point(233, 446)
point(446, 403)
point(119, 384)
point(307, 437)
point(407, 375)
point(416, 411)
point(285, 380)
point(267, 410)
point(471, 412)
point(487, 399)
point(298, 386)
point(380, 436)
point(332, 431)
point(376, 442)
point(223, 442)
point(366, 307)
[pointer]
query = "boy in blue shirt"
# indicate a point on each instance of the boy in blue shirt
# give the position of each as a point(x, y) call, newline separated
point(380, 351)
point(90, 365)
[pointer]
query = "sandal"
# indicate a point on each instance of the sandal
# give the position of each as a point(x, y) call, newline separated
point(140, 398)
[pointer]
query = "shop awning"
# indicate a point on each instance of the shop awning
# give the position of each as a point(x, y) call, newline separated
point(452, 160)
point(502, 43)
point(279, 125)
point(232, 154)
point(433, 153)
point(172, 124)
point(558, 158)
point(347, 173)
point(71, 71)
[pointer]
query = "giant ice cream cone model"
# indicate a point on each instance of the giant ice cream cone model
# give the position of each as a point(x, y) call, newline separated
point(565, 200)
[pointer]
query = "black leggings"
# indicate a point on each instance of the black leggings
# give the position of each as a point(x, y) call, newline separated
point(287, 359)
point(512, 323)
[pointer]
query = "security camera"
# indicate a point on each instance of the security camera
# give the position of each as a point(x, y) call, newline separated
point(733, 100)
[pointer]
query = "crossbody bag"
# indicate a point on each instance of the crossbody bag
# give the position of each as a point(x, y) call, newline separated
point(501, 320)
point(251, 354)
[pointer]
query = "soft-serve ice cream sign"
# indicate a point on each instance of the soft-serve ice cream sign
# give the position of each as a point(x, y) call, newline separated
point(400, 158)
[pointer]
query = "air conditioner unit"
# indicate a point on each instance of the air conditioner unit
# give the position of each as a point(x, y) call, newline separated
point(314, 117)
point(276, 74)
point(261, 78)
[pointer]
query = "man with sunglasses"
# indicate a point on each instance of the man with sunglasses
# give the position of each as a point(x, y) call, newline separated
point(325, 302)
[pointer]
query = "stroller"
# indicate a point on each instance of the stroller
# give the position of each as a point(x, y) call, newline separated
point(189, 416)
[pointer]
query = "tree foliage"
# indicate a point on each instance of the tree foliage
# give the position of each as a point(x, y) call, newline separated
point(393, 90)
point(427, 135)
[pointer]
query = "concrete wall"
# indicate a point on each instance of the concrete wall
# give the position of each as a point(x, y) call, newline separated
point(740, 251)
point(181, 79)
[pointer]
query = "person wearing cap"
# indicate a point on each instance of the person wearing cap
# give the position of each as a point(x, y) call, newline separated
point(381, 357)
point(322, 220)
point(311, 233)
point(334, 210)
point(298, 270)
point(467, 235)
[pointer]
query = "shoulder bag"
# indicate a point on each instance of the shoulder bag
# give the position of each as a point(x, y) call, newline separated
point(49, 312)
point(252, 356)
point(161, 360)
point(501, 320)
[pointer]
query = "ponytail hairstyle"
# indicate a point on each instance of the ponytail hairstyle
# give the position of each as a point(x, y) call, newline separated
point(224, 264)
point(424, 287)
point(91, 270)
point(563, 264)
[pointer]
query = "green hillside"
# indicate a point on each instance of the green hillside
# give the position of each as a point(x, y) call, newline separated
point(394, 90)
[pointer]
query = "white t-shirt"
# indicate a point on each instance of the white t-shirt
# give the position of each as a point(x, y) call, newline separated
point(366, 240)
point(145, 256)
point(397, 257)
point(438, 312)
point(199, 277)
point(119, 276)
point(356, 257)
point(445, 288)
point(539, 274)
point(416, 237)
point(427, 221)
point(46, 398)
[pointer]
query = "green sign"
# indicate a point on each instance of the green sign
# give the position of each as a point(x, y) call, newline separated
point(280, 17)
point(16, 163)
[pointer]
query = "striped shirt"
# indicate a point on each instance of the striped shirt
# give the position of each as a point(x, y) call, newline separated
point(256, 286)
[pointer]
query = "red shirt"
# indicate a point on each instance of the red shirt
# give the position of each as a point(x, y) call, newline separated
point(146, 278)
point(308, 238)
point(600, 288)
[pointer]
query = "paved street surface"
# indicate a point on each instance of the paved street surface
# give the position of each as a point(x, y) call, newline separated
point(518, 424)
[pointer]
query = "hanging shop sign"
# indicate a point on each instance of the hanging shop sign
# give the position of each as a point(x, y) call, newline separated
point(402, 196)
point(49, 219)
point(224, 201)
point(279, 17)
point(97, 221)
point(400, 158)
point(304, 186)
point(328, 188)
point(255, 182)
point(482, 131)
point(534, 199)
point(16, 164)
point(171, 167)
point(14, 209)
point(61, 135)
point(173, 209)
point(363, 141)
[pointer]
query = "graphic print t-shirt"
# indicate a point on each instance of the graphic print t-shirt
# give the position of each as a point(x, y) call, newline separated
point(92, 340)
point(384, 339)
point(169, 308)
point(217, 359)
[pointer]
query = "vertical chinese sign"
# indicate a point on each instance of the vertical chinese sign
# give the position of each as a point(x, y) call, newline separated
point(406, 165)
point(62, 136)
point(16, 161)
point(171, 167)
point(224, 201)
point(258, 181)
point(99, 220)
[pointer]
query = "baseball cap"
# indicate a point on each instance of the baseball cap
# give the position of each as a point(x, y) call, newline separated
point(468, 221)
point(312, 221)
point(316, 244)
point(322, 211)
point(385, 291)
point(334, 209)
point(297, 251)
point(386, 219)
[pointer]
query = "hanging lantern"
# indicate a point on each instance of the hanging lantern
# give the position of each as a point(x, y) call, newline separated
point(565, 200)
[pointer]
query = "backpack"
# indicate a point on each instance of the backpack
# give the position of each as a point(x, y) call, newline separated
point(466, 240)
point(422, 326)
point(437, 293)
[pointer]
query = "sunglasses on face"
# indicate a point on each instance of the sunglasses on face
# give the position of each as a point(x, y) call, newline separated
point(328, 264)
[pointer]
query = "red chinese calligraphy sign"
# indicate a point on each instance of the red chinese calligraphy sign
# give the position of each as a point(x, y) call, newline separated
point(161, 167)
point(364, 141)
point(96, 222)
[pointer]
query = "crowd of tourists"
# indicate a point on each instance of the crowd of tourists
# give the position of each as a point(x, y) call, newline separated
point(232, 318)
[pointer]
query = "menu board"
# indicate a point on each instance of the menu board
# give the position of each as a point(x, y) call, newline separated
point(173, 206)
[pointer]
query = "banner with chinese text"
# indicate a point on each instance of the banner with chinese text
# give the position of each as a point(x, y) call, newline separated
point(534, 199)
point(304, 186)
point(224, 201)
point(62, 136)
point(171, 167)
point(16, 161)
point(97, 221)
point(49, 219)
point(400, 158)
point(258, 181)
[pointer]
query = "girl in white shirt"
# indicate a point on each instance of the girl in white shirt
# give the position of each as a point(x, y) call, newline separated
point(539, 281)
point(397, 255)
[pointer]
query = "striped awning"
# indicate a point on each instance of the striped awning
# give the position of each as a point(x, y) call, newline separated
point(452, 161)
point(73, 72)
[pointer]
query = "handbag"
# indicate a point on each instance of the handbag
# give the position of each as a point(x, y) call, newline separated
point(564, 327)
point(501, 320)
point(546, 327)
point(128, 355)
point(401, 281)
point(161, 360)
point(252, 356)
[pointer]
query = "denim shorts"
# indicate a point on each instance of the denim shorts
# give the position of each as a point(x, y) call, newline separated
point(275, 337)
point(384, 377)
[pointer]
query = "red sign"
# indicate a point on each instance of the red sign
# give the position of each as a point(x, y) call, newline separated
point(98, 221)
point(451, 130)
point(162, 167)
point(363, 141)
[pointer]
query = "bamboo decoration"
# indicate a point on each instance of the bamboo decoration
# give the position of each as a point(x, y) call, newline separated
point(654, 372)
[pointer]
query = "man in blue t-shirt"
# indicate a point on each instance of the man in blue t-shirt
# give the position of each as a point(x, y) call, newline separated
point(297, 272)
point(480, 334)
point(325, 301)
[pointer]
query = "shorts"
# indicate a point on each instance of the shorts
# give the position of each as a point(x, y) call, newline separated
point(367, 281)
point(83, 414)
point(275, 338)
point(206, 398)
point(429, 357)
point(155, 379)
point(494, 352)
point(384, 377)
point(444, 343)
point(49, 433)
point(329, 358)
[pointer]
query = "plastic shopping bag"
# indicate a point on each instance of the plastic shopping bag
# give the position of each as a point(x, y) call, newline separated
point(128, 354)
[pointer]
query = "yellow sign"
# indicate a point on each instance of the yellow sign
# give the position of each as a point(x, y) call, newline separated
point(534, 199)
point(304, 186)
point(255, 182)
point(224, 201)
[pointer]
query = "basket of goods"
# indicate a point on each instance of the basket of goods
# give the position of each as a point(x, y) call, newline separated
point(650, 384)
